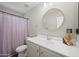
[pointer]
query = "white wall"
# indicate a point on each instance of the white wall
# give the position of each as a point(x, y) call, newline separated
point(3, 8)
point(70, 10)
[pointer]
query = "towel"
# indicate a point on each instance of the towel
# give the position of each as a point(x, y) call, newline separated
point(68, 39)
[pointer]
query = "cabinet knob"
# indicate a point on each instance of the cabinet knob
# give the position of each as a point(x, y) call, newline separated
point(37, 50)
point(42, 52)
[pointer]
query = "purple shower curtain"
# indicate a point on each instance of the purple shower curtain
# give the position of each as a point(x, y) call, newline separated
point(13, 33)
point(1, 25)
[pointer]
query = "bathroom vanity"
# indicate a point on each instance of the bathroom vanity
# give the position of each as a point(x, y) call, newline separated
point(40, 47)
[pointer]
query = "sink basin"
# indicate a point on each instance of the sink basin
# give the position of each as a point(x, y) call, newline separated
point(44, 37)
point(55, 39)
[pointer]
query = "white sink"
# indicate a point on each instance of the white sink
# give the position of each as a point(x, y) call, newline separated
point(55, 40)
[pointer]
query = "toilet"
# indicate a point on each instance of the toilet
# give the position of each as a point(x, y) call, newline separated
point(22, 51)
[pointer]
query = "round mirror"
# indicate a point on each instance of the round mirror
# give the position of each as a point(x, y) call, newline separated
point(53, 19)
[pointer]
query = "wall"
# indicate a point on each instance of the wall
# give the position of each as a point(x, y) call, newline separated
point(70, 10)
point(3, 8)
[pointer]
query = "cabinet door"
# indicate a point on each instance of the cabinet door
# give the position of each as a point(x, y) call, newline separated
point(47, 53)
point(32, 49)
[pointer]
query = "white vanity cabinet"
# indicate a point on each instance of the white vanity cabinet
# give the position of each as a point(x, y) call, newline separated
point(32, 50)
point(47, 53)
point(40, 47)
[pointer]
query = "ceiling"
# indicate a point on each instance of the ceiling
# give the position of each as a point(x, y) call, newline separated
point(21, 7)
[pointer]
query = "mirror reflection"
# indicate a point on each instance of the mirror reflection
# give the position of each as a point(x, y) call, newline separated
point(53, 19)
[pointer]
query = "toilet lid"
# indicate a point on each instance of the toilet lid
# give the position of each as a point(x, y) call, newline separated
point(21, 48)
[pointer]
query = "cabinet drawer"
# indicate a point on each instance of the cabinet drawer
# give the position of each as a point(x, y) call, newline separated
point(47, 53)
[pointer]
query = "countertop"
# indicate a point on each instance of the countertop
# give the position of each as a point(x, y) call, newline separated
point(57, 46)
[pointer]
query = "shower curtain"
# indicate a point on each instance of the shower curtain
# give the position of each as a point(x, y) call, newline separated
point(1, 42)
point(13, 31)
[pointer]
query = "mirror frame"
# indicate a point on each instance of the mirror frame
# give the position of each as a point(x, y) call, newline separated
point(57, 28)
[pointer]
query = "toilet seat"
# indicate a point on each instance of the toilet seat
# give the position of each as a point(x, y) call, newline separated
point(21, 48)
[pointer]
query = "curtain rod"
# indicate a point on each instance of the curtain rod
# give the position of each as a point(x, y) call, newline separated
point(13, 14)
